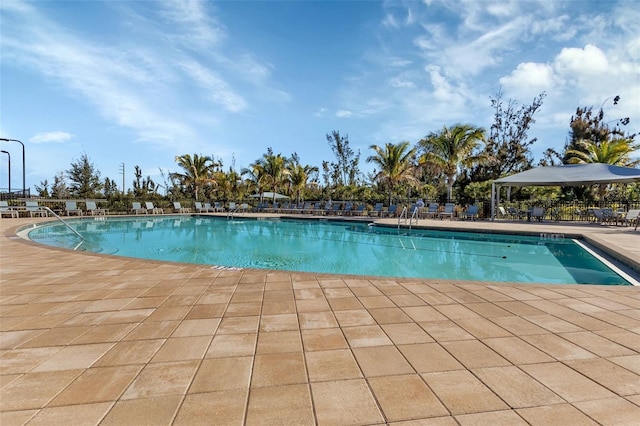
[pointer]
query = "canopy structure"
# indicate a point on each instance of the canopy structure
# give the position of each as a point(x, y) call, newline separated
point(269, 195)
point(567, 175)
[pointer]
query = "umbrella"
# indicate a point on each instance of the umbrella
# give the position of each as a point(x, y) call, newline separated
point(269, 195)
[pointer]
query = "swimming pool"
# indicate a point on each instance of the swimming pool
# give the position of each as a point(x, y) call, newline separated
point(338, 247)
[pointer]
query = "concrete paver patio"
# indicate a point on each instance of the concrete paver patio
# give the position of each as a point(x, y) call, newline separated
point(90, 339)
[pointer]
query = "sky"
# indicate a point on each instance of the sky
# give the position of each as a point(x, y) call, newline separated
point(141, 82)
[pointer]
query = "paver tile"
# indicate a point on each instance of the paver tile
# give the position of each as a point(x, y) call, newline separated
point(558, 414)
point(461, 392)
point(143, 412)
point(405, 398)
point(611, 411)
point(323, 339)
point(608, 374)
point(474, 354)
point(406, 333)
point(381, 361)
point(346, 402)
point(290, 404)
point(429, 357)
point(85, 414)
point(278, 369)
point(566, 382)
point(162, 379)
point(516, 388)
point(331, 365)
point(219, 374)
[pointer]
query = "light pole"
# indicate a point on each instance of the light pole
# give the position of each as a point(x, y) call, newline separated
point(24, 186)
point(8, 155)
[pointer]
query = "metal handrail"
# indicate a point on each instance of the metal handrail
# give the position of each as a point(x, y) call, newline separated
point(61, 220)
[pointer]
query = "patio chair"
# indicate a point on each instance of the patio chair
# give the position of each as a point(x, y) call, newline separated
point(391, 211)
point(137, 208)
point(537, 213)
point(153, 209)
point(432, 211)
point(34, 209)
point(631, 217)
point(377, 209)
point(470, 213)
point(71, 207)
point(7, 211)
point(359, 211)
point(514, 213)
point(348, 208)
point(177, 208)
point(449, 211)
point(218, 207)
point(93, 210)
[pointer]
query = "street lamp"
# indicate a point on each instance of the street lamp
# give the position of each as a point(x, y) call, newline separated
point(24, 186)
point(8, 155)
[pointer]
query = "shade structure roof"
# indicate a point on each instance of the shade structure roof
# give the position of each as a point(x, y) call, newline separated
point(572, 175)
point(269, 195)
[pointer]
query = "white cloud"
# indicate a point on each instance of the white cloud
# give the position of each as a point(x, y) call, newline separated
point(215, 88)
point(588, 61)
point(46, 137)
point(343, 113)
point(529, 78)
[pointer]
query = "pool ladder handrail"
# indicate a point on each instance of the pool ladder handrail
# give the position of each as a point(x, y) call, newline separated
point(231, 212)
point(65, 223)
point(404, 216)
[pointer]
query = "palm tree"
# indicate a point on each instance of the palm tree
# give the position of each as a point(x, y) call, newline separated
point(451, 148)
point(198, 172)
point(299, 177)
point(395, 163)
point(616, 153)
point(275, 169)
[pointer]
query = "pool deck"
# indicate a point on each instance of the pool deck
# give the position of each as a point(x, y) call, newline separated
point(89, 339)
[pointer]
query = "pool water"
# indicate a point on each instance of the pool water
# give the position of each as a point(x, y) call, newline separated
point(337, 247)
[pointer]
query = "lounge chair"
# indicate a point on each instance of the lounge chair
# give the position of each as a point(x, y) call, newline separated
point(218, 207)
point(432, 210)
point(7, 211)
point(153, 209)
point(604, 215)
point(243, 207)
point(515, 213)
point(137, 208)
point(537, 213)
point(631, 217)
point(34, 209)
point(177, 208)
point(232, 206)
point(71, 207)
point(359, 211)
point(377, 209)
point(199, 207)
point(209, 208)
point(449, 211)
point(348, 209)
point(391, 211)
point(470, 213)
point(93, 210)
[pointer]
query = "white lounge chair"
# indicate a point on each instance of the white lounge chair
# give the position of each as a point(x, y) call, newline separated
point(177, 208)
point(34, 209)
point(93, 210)
point(137, 208)
point(71, 207)
point(218, 207)
point(6, 211)
point(153, 209)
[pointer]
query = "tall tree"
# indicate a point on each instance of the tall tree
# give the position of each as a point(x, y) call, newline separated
point(84, 178)
point(395, 163)
point(275, 169)
point(508, 144)
point(197, 172)
point(346, 169)
point(299, 176)
point(451, 148)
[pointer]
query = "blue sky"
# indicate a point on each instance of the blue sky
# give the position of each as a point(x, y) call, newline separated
point(140, 82)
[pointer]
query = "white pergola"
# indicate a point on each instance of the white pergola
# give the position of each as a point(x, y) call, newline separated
point(566, 175)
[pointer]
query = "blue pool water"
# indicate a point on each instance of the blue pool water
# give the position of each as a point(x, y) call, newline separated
point(334, 247)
